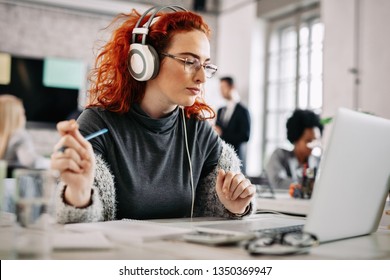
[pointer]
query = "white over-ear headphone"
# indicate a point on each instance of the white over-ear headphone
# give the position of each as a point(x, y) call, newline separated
point(143, 60)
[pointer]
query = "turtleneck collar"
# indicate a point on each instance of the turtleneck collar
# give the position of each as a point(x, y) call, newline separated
point(161, 125)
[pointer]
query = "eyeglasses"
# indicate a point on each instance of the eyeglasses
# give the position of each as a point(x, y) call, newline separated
point(271, 243)
point(193, 65)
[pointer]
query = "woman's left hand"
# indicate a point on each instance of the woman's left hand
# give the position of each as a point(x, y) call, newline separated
point(234, 191)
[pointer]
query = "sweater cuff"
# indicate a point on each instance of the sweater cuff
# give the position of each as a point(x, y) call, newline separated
point(246, 212)
point(250, 209)
point(69, 214)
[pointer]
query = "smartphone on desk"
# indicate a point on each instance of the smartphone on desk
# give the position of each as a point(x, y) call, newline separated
point(216, 238)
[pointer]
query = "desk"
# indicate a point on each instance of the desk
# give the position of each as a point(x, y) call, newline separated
point(374, 246)
point(283, 202)
point(172, 254)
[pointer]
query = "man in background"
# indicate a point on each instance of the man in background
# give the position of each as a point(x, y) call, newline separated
point(233, 120)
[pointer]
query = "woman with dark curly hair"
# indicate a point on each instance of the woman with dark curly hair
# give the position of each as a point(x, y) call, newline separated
point(285, 167)
point(160, 158)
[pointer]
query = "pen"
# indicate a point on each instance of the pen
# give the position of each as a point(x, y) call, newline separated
point(96, 134)
point(88, 137)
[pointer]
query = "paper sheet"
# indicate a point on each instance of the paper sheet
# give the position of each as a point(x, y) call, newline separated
point(130, 231)
point(85, 240)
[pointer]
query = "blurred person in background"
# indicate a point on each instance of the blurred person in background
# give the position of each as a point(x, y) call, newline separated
point(16, 145)
point(233, 120)
point(287, 168)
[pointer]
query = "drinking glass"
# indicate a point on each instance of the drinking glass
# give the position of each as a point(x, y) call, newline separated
point(7, 219)
point(35, 212)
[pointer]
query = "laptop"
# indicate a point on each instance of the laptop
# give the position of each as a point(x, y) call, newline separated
point(351, 187)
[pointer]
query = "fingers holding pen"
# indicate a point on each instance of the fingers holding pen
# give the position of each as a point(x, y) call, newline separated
point(67, 158)
point(65, 164)
point(70, 145)
point(72, 152)
point(72, 128)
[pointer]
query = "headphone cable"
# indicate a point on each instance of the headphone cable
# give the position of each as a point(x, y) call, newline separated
point(190, 165)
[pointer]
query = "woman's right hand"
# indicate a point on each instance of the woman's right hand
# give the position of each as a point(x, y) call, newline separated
point(76, 163)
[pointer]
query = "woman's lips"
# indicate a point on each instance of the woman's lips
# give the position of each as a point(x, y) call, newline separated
point(194, 90)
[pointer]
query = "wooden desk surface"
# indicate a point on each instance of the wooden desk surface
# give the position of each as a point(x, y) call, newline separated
point(374, 246)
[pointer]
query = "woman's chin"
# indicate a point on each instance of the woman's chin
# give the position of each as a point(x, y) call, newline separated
point(188, 103)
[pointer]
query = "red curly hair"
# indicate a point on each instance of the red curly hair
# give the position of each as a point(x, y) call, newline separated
point(112, 86)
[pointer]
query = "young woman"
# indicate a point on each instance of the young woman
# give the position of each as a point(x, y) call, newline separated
point(16, 145)
point(160, 158)
point(284, 168)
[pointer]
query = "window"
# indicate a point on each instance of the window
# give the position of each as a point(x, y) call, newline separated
point(294, 76)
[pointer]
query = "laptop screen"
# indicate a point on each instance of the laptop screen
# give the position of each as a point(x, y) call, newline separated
point(350, 190)
point(353, 180)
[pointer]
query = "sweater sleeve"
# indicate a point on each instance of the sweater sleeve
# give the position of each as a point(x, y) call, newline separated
point(207, 203)
point(103, 206)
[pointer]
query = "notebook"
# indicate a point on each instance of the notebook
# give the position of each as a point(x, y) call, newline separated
point(352, 184)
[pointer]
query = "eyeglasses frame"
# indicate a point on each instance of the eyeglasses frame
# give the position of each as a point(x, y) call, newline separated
point(187, 63)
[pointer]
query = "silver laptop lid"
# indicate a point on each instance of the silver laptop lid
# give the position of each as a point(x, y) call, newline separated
point(353, 180)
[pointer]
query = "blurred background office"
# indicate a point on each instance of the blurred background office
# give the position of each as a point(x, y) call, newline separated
point(284, 54)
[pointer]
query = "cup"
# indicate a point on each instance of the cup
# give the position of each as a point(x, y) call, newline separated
point(35, 212)
point(6, 219)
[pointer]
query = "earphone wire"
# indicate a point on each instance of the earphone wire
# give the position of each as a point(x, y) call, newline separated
point(190, 165)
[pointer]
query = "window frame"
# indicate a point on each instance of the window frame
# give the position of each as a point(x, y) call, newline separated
point(307, 15)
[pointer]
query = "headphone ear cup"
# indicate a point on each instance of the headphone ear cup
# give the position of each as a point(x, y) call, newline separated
point(143, 62)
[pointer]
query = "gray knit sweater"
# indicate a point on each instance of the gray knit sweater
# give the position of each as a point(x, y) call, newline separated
point(152, 179)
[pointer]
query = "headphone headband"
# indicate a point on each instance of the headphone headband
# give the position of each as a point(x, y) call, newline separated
point(144, 30)
point(143, 60)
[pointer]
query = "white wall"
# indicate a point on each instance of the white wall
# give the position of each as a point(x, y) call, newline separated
point(339, 54)
point(356, 37)
point(256, 97)
point(237, 30)
point(34, 31)
point(361, 44)
point(234, 44)
point(375, 57)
